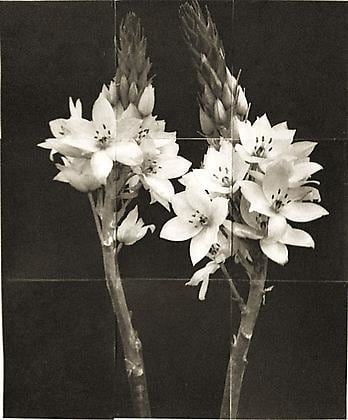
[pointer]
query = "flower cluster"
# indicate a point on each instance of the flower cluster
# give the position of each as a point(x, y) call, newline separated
point(131, 139)
point(247, 191)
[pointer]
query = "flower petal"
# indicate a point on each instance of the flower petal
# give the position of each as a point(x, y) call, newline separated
point(275, 251)
point(303, 171)
point(181, 206)
point(201, 243)
point(302, 149)
point(101, 165)
point(256, 197)
point(276, 226)
point(103, 115)
point(297, 237)
point(173, 167)
point(161, 187)
point(276, 181)
point(177, 229)
point(219, 210)
point(303, 212)
point(128, 153)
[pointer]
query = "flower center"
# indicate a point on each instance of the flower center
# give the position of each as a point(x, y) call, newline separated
point(103, 137)
point(141, 135)
point(262, 147)
point(214, 249)
point(150, 166)
point(198, 219)
point(222, 176)
point(261, 221)
point(278, 201)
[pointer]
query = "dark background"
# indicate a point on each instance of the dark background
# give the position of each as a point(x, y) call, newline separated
point(59, 335)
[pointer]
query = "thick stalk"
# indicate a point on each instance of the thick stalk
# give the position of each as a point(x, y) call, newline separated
point(240, 345)
point(132, 347)
point(131, 343)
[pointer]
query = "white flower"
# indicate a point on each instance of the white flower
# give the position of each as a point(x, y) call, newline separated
point(276, 200)
point(132, 229)
point(222, 170)
point(78, 173)
point(273, 244)
point(198, 218)
point(202, 276)
point(104, 139)
point(60, 128)
point(261, 141)
point(158, 167)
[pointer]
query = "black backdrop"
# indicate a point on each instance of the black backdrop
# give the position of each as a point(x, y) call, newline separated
point(58, 335)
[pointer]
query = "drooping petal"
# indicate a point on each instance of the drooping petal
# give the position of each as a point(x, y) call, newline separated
point(101, 165)
point(297, 237)
point(202, 276)
point(177, 229)
point(61, 147)
point(303, 212)
point(201, 243)
point(275, 251)
point(256, 197)
point(276, 226)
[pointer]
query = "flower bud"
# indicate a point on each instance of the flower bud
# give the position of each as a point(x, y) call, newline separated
point(147, 101)
point(132, 229)
point(133, 93)
point(235, 128)
point(227, 96)
point(219, 112)
point(207, 124)
point(208, 98)
point(124, 87)
point(78, 173)
point(242, 103)
point(231, 80)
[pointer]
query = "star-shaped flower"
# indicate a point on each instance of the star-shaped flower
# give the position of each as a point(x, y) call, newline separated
point(275, 199)
point(198, 218)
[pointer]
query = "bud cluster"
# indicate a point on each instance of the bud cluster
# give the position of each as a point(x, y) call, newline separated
point(221, 99)
point(132, 75)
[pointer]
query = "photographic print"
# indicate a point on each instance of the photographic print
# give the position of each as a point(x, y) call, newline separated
point(174, 230)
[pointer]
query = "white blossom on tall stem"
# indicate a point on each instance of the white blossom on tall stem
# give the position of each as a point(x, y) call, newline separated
point(275, 199)
point(103, 140)
point(132, 228)
point(221, 170)
point(198, 218)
